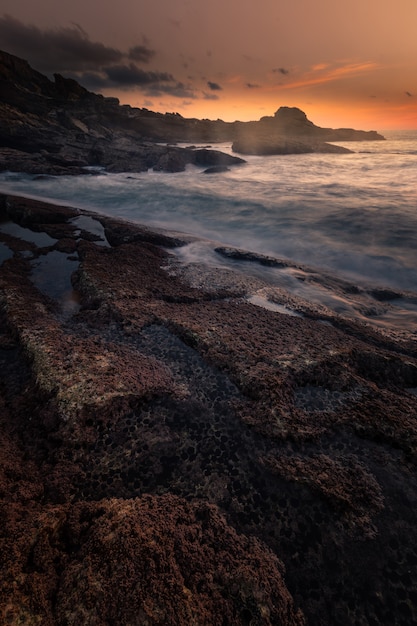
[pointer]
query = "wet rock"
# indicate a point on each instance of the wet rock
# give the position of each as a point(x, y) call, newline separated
point(142, 561)
point(269, 146)
point(215, 158)
point(216, 169)
point(28, 212)
point(173, 453)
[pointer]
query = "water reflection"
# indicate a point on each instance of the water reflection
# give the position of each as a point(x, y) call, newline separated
point(5, 252)
point(51, 274)
point(42, 240)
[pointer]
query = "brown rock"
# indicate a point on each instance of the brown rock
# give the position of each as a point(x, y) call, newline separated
point(168, 448)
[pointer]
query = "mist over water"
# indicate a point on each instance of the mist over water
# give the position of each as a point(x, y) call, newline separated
point(354, 215)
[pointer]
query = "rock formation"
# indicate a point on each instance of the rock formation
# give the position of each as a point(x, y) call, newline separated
point(173, 454)
point(290, 132)
point(58, 127)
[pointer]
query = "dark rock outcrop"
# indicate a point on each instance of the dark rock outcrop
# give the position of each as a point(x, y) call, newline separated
point(268, 145)
point(290, 132)
point(292, 121)
point(173, 454)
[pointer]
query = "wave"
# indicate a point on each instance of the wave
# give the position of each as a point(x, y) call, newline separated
point(352, 215)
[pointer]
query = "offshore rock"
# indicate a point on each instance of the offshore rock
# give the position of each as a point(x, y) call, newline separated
point(293, 121)
point(266, 146)
point(291, 132)
point(174, 454)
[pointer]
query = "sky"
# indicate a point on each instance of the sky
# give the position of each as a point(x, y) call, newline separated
point(345, 64)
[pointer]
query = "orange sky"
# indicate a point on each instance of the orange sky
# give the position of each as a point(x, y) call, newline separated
point(345, 64)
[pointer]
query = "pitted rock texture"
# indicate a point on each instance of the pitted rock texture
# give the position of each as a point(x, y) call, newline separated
point(173, 454)
point(139, 561)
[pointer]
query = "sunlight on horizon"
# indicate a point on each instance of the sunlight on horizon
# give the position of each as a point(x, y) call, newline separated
point(324, 114)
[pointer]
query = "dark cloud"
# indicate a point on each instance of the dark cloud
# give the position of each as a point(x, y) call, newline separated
point(214, 86)
point(141, 54)
point(252, 86)
point(407, 93)
point(133, 76)
point(153, 84)
point(281, 70)
point(93, 81)
point(130, 76)
point(55, 50)
point(177, 89)
point(95, 66)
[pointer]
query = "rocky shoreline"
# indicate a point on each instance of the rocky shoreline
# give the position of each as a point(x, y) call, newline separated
point(174, 454)
point(58, 127)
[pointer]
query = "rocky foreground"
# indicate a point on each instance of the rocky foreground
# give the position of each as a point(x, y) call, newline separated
point(173, 454)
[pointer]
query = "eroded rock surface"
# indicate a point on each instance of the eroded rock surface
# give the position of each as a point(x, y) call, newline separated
point(173, 454)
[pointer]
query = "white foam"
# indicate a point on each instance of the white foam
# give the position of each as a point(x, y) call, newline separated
point(272, 306)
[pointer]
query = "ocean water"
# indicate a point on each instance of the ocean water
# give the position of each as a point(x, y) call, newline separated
point(353, 216)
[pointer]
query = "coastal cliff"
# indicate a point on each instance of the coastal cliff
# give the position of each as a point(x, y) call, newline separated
point(58, 127)
point(172, 453)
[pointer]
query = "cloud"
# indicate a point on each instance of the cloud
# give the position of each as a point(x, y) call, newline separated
point(132, 76)
point(96, 66)
point(127, 77)
point(410, 95)
point(142, 54)
point(99, 67)
point(214, 86)
point(325, 74)
point(210, 96)
point(281, 70)
point(177, 89)
point(69, 49)
point(55, 50)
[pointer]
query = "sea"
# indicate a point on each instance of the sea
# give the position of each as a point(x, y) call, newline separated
point(352, 217)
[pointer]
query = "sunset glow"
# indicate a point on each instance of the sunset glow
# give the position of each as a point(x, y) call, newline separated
point(345, 67)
